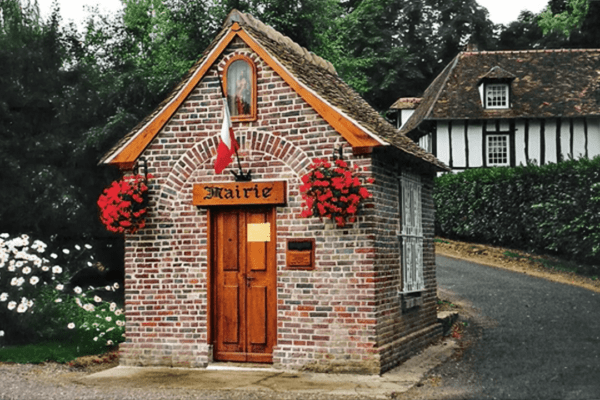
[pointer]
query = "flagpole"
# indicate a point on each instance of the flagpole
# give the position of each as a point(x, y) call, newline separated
point(241, 176)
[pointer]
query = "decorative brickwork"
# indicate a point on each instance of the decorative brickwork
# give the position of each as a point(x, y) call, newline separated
point(346, 315)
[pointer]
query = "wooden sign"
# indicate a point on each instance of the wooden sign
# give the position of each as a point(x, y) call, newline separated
point(240, 193)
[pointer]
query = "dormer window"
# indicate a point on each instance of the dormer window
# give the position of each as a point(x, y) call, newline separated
point(494, 88)
point(496, 95)
point(240, 84)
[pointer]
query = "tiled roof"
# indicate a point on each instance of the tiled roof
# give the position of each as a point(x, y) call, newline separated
point(404, 103)
point(544, 84)
point(316, 74)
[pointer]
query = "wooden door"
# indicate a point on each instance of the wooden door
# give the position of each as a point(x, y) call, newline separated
point(244, 295)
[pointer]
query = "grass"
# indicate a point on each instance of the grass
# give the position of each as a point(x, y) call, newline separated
point(516, 256)
point(42, 352)
point(445, 305)
point(590, 271)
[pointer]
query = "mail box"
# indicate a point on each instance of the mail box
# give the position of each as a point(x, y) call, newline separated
point(300, 254)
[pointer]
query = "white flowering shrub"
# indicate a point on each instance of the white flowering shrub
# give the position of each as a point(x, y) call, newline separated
point(37, 302)
point(84, 317)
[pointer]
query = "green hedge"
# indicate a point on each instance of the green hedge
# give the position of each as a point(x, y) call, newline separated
point(553, 208)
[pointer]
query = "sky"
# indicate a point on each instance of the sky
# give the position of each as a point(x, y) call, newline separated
point(501, 11)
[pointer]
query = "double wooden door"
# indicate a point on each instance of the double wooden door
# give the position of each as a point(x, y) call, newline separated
point(244, 291)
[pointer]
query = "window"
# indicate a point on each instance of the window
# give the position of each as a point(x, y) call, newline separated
point(240, 84)
point(496, 95)
point(412, 232)
point(497, 150)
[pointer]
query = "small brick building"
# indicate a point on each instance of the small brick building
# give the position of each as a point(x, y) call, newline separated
point(245, 278)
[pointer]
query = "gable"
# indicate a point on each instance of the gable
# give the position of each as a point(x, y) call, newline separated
point(311, 77)
point(128, 151)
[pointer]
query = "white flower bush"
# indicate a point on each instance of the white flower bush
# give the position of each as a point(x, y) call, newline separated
point(36, 302)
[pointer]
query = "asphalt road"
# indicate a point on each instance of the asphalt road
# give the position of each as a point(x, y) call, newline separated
point(539, 339)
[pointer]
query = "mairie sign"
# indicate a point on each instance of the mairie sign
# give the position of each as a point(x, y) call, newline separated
point(238, 193)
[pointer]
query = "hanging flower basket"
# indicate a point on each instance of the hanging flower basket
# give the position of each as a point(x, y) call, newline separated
point(333, 191)
point(123, 204)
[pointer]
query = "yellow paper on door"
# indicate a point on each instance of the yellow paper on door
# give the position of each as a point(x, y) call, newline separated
point(259, 232)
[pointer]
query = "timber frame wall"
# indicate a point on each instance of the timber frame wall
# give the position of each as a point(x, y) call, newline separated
point(461, 143)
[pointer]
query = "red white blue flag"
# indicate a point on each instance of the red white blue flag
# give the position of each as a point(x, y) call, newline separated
point(227, 144)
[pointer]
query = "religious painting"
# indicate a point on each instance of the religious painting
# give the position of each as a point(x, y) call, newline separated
point(239, 89)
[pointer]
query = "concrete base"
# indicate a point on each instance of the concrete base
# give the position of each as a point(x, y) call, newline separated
point(397, 380)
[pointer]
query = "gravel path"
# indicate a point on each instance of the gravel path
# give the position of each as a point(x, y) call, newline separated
point(59, 382)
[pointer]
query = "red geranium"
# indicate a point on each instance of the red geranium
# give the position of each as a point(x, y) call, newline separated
point(123, 204)
point(333, 191)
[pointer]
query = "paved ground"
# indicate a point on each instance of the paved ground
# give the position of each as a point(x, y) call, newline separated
point(539, 339)
point(57, 382)
point(271, 381)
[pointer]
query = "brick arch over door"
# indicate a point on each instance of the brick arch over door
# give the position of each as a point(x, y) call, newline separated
point(281, 149)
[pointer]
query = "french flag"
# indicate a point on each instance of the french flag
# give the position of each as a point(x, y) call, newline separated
point(227, 145)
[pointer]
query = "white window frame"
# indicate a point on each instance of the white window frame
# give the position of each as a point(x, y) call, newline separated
point(496, 96)
point(425, 142)
point(489, 147)
point(411, 233)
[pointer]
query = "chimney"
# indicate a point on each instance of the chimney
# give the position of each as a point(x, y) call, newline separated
point(472, 47)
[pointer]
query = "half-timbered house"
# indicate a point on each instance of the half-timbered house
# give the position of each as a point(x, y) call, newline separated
point(226, 268)
point(506, 108)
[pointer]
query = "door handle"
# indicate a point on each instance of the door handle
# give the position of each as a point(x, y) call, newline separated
point(248, 280)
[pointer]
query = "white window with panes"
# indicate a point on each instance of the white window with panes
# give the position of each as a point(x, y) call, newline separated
point(498, 150)
point(411, 233)
point(496, 95)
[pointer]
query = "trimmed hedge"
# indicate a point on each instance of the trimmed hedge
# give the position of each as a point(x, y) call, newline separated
point(553, 208)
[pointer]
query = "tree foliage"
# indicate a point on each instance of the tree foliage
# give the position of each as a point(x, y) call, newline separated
point(554, 208)
point(565, 21)
point(526, 34)
point(36, 173)
point(387, 49)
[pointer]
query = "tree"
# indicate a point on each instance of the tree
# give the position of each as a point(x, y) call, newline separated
point(49, 100)
point(571, 16)
point(587, 34)
point(388, 49)
point(303, 21)
point(32, 162)
point(525, 34)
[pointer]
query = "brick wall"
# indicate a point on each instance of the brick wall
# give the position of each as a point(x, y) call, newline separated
point(401, 332)
point(328, 319)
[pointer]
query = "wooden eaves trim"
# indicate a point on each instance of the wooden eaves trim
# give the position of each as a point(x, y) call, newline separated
point(127, 155)
point(349, 131)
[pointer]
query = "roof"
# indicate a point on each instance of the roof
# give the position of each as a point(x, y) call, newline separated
point(544, 84)
point(406, 103)
point(313, 78)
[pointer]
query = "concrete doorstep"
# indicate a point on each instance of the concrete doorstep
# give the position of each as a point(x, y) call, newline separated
point(399, 379)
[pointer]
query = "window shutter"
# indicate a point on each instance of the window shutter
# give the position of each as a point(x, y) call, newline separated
point(411, 233)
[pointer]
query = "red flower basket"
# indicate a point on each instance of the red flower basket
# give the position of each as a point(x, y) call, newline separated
point(333, 191)
point(123, 204)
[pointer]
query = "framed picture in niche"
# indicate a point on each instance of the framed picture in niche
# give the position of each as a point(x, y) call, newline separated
point(240, 83)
